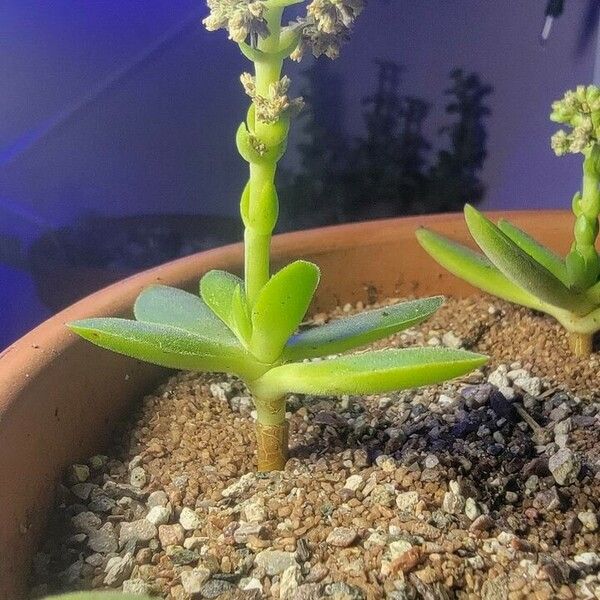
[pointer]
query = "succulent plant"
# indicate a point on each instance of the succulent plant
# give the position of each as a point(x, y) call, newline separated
point(519, 269)
point(249, 327)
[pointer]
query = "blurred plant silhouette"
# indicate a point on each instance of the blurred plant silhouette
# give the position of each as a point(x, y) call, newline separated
point(386, 172)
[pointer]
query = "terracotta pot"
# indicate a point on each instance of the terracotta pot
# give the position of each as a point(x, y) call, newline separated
point(61, 395)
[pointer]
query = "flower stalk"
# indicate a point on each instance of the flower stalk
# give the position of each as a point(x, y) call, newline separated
point(249, 328)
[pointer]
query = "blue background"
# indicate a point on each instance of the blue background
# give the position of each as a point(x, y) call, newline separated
point(129, 107)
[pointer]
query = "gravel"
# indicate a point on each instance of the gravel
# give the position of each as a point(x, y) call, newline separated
point(487, 487)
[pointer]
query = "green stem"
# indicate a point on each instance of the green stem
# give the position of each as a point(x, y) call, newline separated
point(262, 174)
point(582, 262)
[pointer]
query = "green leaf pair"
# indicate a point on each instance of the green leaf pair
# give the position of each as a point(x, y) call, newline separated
point(219, 331)
point(517, 268)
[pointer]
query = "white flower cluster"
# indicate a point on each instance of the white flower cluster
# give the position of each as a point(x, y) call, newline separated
point(326, 27)
point(241, 18)
point(580, 109)
point(270, 108)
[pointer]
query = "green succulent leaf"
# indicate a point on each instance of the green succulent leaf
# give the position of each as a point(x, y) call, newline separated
point(361, 329)
point(368, 373)
point(167, 346)
point(280, 307)
point(217, 289)
point(518, 266)
point(166, 305)
point(474, 268)
point(554, 263)
point(240, 315)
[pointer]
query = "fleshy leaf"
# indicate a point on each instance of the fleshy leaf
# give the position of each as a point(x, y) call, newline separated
point(166, 305)
point(240, 315)
point(474, 268)
point(344, 334)
point(280, 307)
point(217, 289)
point(554, 263)
point(167, 346)
point(518, 266)
point(368, 373)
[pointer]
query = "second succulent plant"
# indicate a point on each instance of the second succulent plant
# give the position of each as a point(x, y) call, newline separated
point(516, 267)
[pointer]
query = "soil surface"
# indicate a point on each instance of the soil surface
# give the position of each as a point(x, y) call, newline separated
point(482, 488)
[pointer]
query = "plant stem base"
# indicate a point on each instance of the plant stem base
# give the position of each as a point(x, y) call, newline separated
point(272, 446)
point(581, 344)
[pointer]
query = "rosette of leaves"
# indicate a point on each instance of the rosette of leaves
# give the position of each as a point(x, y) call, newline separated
point(516, 267)
point(250, 327)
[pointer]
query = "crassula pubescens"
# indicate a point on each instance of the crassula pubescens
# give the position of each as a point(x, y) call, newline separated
point(519, 269)
point(250, 327)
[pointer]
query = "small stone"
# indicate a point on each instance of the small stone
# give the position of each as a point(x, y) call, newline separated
point(98, 462)
point(386, 463)
point(289, 582)
point(453, 504)
point(407, 561)
point(589, 520)
point(445, 401)
point(354, 483)
point(138, 477)
point(343, 591)
point(182, 556)
point(82, 490)
point(406, 501)
point(189, 520)
point(589, 561)
point(247, 530)
point(431, 461)
point(158, 498)
point(136, 587)
point(171, 535)
point(122, 490)
point(243, 484)
point(118, 569)
point(549, 500)
point(472, 510)
point(254, 512)
point(96, 560)
point(103, 540)
point(500, 379)
point(86, 522)
point(523, 379)
point(192, 581)
point(564, 466)
point(215, 587)
point(101, 503)
point(274, 562)
point(141, 531)
point(451, 340)
point(78, 474)
point(342, 537)
point(477, 394)
point(482, 523)
point(194, 543)
point(398, 548)
point(383, 495)
point(159, 515)
point(250, 583)
point(309, 591)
